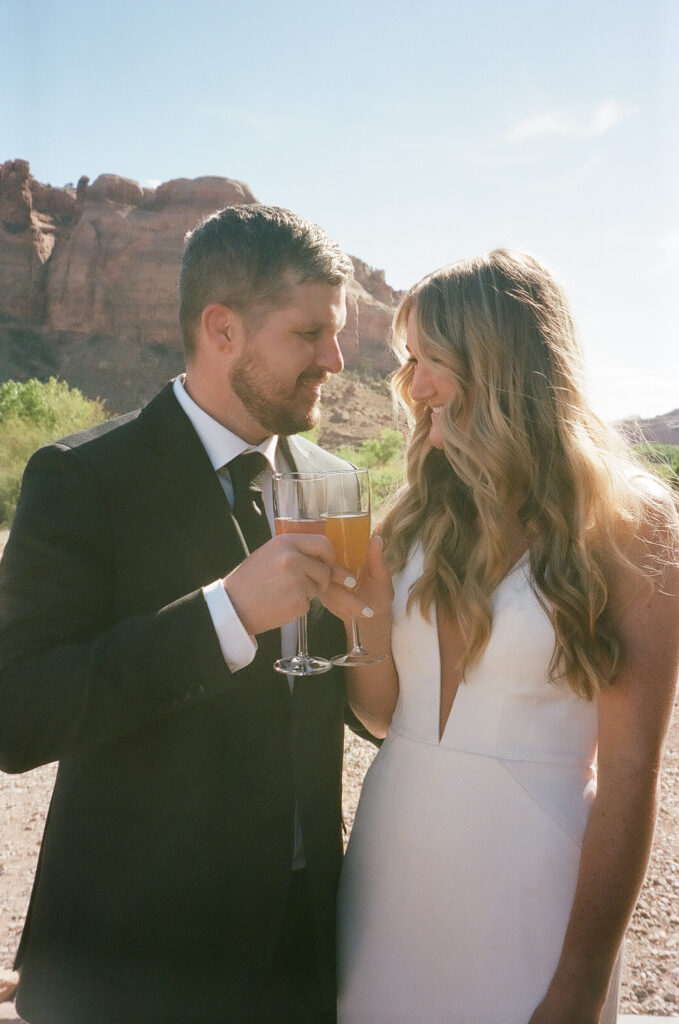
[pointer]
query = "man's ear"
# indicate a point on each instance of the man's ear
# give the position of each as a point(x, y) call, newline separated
point(221, 326)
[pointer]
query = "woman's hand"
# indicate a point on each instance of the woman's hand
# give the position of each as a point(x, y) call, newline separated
point(372, 689)
point(370, 596)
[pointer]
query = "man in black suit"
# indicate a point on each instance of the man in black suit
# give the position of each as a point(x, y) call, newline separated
point(191, 853)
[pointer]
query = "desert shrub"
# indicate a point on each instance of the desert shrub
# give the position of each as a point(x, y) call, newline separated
point(384, 481)
point(663, 459)
point(376, 451)
point(34, 413)
point(384, 457)
point(312, 434)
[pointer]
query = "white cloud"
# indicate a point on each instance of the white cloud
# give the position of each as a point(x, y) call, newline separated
point(152, 183)
point(557, 124)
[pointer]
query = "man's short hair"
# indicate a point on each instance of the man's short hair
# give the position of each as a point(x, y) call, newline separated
point(242, 257)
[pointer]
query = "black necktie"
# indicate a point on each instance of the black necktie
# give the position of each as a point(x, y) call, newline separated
point(247, 476)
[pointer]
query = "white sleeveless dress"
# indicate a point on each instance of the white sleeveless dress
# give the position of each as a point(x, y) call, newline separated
point(463, 859)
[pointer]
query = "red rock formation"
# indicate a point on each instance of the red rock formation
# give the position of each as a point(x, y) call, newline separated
point(375, 283)
point(57, 203)
point(208, 193)
point(365, 337)
point(26, 244)
point(116, 190)
point(15, 196)
point(95, 270)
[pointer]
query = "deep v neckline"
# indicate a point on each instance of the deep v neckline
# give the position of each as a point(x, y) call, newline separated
point(441, 732)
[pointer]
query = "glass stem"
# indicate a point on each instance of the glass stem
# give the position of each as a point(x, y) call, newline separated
point(302, 642)
point(355, 636)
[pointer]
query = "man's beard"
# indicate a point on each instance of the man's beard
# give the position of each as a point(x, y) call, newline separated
point(285, 416)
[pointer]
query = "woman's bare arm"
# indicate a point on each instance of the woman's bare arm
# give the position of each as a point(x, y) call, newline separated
point(373, 689)
point(634, 715)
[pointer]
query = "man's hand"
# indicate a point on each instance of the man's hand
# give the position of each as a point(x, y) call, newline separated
point(278, 581)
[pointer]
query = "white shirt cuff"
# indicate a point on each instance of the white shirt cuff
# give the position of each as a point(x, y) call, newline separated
point(238, 647)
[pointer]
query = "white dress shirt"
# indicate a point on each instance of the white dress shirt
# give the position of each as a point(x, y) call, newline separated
point(222, 445)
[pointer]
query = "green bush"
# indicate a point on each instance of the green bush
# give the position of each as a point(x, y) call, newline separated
point(384, 457)
point(663, 459)
point(383, 482)
point(377, 451)
point(312, 434)
point(32, 414)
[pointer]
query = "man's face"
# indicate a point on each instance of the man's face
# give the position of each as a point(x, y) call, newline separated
point(286, 357)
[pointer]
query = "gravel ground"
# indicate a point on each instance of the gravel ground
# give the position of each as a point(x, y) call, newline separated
point(651, 975)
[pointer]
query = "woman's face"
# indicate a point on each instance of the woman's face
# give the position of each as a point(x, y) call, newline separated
point(431, 383)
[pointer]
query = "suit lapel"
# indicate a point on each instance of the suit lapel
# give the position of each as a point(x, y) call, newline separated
point(299, 457)
point(188, 485)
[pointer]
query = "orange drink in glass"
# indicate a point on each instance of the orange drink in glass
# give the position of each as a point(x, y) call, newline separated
point(348, 529)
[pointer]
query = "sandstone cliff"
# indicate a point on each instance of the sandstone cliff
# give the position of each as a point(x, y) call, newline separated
point(88, 282)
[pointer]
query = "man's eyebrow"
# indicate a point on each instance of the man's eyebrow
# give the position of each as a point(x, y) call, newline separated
point(314, 326)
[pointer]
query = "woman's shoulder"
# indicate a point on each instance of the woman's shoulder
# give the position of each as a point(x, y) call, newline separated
point(660, 506)
point(640, 505)
point(647, 538)
point(650, 484)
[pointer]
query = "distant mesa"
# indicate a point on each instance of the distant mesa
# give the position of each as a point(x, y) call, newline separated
point(88, 282)
point(655, 430)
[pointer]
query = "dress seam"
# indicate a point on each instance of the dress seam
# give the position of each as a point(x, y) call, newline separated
point(538, 803)
point(484, 753)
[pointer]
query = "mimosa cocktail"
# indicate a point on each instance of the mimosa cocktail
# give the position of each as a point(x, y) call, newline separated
point(348, 529)
point(299, 504)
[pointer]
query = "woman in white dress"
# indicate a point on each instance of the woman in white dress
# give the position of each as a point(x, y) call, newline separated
point(505, 825)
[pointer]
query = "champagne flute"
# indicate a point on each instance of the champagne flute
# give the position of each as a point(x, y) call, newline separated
point(347, 527)
point(299, 507)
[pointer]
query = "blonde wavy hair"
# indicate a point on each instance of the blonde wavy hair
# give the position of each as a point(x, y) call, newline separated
point(518, 429)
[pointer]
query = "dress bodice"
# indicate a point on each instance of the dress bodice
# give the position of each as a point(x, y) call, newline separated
point(506, 707)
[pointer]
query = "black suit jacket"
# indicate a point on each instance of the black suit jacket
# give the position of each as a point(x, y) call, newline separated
point(167, 850)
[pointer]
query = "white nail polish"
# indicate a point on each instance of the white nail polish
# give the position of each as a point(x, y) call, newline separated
point(349, 582)
point(368, 612)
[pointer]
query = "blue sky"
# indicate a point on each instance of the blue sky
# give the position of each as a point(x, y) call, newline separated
point(416, 133)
